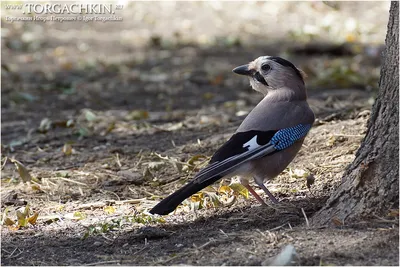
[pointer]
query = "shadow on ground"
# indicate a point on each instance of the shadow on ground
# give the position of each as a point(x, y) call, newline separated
point(241, 236)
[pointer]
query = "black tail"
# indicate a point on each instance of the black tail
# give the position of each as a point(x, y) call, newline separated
point(170, 203)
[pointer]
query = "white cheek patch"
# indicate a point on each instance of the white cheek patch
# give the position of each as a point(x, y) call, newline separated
point(252, 144)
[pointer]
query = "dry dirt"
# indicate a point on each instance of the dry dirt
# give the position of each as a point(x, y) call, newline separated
point(143, 103)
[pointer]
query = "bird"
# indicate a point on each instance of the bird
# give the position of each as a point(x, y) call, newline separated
point(266, 141)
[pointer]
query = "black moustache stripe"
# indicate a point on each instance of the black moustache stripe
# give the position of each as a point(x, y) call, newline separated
point(260, 78)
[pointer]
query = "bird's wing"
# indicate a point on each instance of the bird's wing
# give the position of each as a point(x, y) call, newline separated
point(245, 146)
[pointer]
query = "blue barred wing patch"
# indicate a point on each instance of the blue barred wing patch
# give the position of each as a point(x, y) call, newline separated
point(286, 137)
point(246, 147)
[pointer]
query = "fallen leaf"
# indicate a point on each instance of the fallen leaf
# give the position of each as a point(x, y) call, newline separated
point(337, 221)
point(66, 65)
point(195, 205)
point(196, 161)
point(197, 197)
point(208, 96)
point(23, 172)
point(137, 115)
point(110, 127)
point(109, 209)
point(214, 199)
point(36, 187)
point(8, 221)
point(298, 173)
point(13, 228)
point(331, 141)
point(393, 213)
point(59, 51)
point(225, 189)
point(351, 38)
point(240, 189)
point(32, 220)
point(79, 215)
point(50, 218)
point(61, 207)
point(64, 174)
point(26, 210)
point(83, 131)
point(89, 115)
point(174, 127)
point(155, 165)
point(22, 221)
point(45, 125)
point(67, 149)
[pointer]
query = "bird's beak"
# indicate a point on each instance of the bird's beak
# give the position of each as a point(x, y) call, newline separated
point(243, 70)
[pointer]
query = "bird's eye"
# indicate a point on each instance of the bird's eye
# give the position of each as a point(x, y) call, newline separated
point(265, 67)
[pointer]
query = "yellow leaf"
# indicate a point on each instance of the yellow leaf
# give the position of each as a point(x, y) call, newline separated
point(59, 51)
point(36, 187)
point(26, 211)
point(110, 127)
point(79, 215)
point(32, 220)
point(137, 115)
point(67, 149)
point(197, 197)
point(21, 219)
point(208, 95)
point(240, 189)
point(23, 172)
point(331, 141)
point(225, 189)
point(61, 207)
point(8, 221)
point(194, 159)
point(13, 228)
point(66, 65)
point(109, 209)
point(350, 38)
point(50, 218)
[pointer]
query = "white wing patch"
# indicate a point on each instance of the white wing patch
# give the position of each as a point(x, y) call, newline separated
point(252, 144)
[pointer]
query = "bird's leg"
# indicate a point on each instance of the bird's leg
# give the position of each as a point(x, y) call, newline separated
point(262, 186)
point(245, 183)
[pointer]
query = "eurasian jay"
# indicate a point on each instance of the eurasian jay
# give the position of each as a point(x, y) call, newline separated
point(267, 140)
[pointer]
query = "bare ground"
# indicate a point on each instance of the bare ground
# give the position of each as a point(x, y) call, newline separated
point(140, 114)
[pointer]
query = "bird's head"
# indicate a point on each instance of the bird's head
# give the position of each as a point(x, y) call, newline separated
point(267, 74)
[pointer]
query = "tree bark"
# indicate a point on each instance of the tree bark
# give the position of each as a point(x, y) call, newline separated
point(371, 182)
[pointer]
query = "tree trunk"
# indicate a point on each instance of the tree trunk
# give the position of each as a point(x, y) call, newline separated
point(371, 182)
